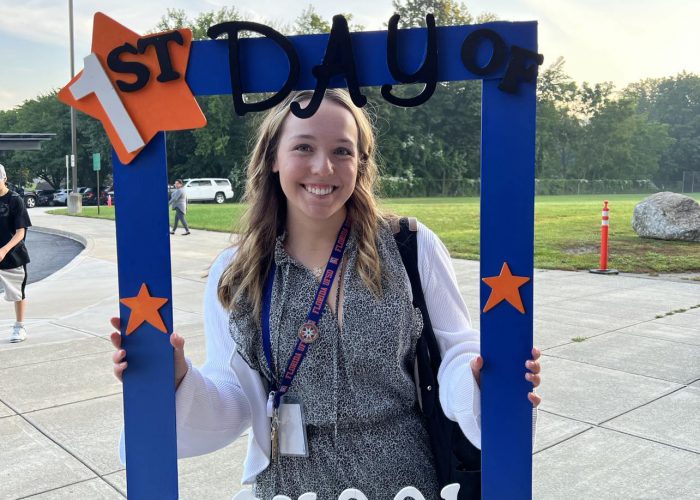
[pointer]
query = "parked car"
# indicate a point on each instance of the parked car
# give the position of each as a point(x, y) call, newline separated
point(60, 197)
point(45, 197)
point(90, 196)
point(30, 197)
point(209, 189)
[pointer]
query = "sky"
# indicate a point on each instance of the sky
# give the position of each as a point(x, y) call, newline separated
point(621, 41)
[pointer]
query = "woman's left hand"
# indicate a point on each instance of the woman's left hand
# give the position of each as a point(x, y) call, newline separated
point(533, 375)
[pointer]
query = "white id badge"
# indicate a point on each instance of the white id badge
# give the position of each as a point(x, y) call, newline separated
point(292, 428)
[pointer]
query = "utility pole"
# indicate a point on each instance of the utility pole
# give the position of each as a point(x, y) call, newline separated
point(75, 199)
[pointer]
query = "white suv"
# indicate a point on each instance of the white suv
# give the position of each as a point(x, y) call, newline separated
point(60, 197)
point(218, 190)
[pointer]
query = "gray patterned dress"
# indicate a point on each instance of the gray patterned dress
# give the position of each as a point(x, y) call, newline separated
point(356, 385)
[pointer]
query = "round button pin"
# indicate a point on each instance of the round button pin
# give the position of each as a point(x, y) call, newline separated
point(308, 332)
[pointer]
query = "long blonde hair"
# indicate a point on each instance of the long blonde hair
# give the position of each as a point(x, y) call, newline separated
point(243, 280)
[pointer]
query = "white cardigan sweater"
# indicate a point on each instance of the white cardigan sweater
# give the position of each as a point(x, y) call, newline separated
point(218, 402)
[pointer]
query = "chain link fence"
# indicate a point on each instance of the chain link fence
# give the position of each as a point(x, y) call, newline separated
point(691, 182)
point(400, 187)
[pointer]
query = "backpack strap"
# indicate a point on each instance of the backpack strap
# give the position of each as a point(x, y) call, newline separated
point(396, 224)
point(456, 460)
point(427, 350)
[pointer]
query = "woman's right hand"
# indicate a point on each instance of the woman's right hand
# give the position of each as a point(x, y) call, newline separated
point(120, 364)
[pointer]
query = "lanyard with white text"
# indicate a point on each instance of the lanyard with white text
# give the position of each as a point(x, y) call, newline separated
point(308, 332)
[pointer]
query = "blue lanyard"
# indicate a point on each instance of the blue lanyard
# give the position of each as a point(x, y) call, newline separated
point(308, 332)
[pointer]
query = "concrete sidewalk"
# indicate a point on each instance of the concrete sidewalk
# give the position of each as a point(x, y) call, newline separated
point(620, 418)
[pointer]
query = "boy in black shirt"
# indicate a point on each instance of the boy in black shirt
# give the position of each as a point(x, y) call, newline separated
point(14, 257)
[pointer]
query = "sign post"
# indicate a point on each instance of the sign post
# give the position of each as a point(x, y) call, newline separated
point(96, 169)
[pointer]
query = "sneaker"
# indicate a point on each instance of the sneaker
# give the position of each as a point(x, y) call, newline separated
point(185, 234)
point(18, 334)
point(172, 232)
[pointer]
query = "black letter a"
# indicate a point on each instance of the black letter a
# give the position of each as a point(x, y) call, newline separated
point(338, 60)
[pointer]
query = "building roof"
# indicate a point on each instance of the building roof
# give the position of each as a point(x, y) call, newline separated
point(24, 141)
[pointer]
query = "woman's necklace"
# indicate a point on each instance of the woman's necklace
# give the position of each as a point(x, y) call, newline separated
point(318, 272)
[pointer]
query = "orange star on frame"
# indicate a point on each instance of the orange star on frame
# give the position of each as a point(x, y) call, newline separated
point(144, 307)
point(505, 287)
point(156, 107)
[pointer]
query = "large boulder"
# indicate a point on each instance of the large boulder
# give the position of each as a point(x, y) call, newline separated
point(667, 216)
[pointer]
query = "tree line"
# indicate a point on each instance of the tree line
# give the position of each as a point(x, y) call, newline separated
point(647, 130)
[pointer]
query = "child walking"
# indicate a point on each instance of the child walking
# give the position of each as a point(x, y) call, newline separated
point(14, 221)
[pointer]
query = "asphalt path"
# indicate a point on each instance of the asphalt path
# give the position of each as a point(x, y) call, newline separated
point(48, 254)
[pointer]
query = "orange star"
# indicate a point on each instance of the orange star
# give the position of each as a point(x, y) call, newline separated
point(505, 287)
point(144, 308)
point(157, 106)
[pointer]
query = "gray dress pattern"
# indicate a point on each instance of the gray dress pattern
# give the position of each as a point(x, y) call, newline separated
point(356, 385)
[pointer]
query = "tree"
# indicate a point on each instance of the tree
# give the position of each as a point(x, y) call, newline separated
point(555, 85)
point(220, 148)
point(591, 132)
point(591, 99)
point(47, 114)
point(177, 19)
point(620, 143)
point(417, 141)
point(44, 114)
point(309, 22)
point(92, 139)
point(557, 130)
point(446, 12)
point(674, 101)
point(440, 140)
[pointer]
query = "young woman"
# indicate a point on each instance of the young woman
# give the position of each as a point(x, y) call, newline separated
point(313, 229)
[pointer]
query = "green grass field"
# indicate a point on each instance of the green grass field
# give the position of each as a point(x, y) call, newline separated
point(567, 230)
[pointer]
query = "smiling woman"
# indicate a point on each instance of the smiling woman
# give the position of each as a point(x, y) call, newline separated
point(332, 151)
point(317, 161)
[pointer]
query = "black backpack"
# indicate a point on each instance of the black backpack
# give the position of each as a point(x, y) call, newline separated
point(457, 460)
point(18, 255)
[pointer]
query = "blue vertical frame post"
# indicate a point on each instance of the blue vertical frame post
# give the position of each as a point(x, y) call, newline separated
point(507, 235)
point(144, 257)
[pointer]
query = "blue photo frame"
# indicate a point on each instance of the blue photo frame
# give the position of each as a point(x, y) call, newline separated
point(507, 225)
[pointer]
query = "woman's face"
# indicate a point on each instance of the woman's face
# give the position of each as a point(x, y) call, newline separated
point(317, 161)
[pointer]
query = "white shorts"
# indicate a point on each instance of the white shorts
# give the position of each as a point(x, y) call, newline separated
point(14, 281)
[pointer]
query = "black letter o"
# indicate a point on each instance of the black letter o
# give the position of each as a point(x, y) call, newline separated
point(470, 45)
